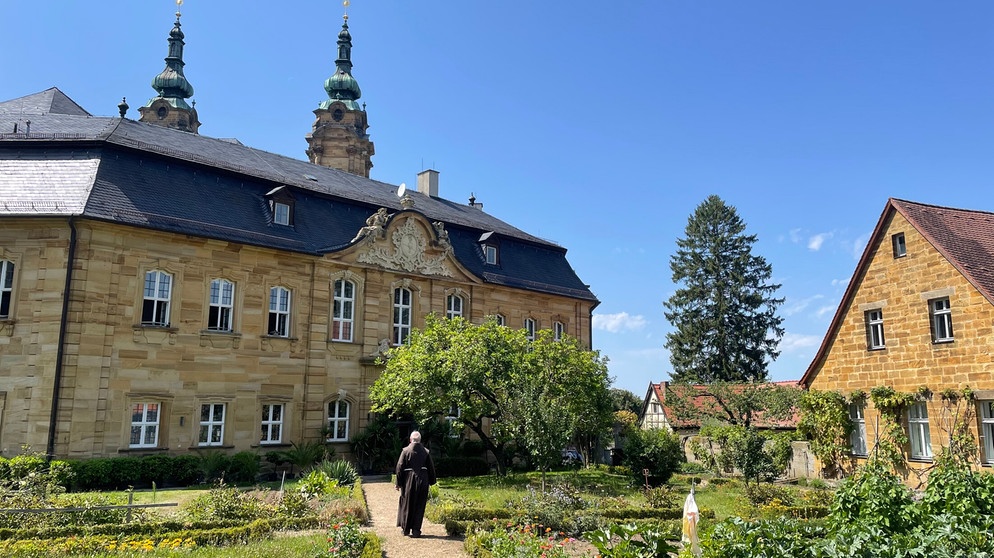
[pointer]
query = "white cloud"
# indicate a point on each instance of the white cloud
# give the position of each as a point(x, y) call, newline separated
point(825, 310)
point(795, 235)
point(792, 342)
point(800, 305)
point(840, 282)
point(620, 321)
point(816, 241)
point(859, 245)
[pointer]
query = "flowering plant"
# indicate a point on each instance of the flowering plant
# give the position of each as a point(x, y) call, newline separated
point(530, 540)
point(345, 540)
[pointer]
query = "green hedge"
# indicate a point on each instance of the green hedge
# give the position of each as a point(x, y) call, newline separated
point(651, 513)
point(159, 529)
point(119, 473)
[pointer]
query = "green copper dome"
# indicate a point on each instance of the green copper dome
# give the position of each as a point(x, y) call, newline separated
point(342, 86)
point(171, 84)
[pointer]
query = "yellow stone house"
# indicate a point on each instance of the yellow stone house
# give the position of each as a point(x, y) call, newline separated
point(164, 291)
point(918, 317)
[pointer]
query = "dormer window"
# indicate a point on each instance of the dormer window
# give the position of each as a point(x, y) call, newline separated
point(491, 248)
point(281, 213)
point(281, 205)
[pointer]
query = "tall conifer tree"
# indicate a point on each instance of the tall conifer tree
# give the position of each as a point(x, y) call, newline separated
point(724, 311)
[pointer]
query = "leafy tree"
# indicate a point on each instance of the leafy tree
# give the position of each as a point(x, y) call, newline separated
point(538, 394)
point(624, 400)
point(656, 451)
point(724, 314)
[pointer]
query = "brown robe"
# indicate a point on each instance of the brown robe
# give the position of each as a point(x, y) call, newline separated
point(415, 473)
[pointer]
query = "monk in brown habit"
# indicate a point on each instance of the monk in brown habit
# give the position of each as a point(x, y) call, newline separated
point(415, 473)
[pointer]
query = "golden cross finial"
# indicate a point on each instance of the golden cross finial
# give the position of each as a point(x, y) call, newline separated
point(179, 3)
point(346, 4)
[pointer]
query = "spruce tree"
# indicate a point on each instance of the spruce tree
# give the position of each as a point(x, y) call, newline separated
point(723, 311)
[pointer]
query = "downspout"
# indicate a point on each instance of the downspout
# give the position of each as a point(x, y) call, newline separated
point(57, 386)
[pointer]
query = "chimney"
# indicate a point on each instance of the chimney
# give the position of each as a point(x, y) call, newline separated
point(428, 182)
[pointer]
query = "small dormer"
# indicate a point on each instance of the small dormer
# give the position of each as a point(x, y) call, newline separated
point(281, 203)
point(490, 246)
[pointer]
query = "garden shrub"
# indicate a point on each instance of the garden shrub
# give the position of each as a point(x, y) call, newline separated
point(654, 450)
point(225, 502)
point(659, 497)
point(340, 470)
point(214, 465)
point(316, 483)
point(761, 494)
point(243, 467)
point(184, 471)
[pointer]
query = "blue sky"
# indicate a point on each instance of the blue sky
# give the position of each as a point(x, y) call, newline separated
point(597, 125)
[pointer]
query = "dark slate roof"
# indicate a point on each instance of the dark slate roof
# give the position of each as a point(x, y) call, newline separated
point(964, 237)
point(49, 101)
point(155, 177)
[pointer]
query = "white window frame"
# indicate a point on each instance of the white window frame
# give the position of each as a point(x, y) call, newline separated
point(281, 213)
point(530, 326)
point(875, 329)
point(941, 315)
point(451, 418)
point(987, 430)
point(857, 439)
point(453, 306)
point(343, 311)
point(490, 253)
point(899, 244)
point(918, 431)
point(6, 289)
point(402, 311)
point(222, 304)
point(272, 423)
point(158, 291)
point(280, 299)
point(558, 330)
point(146, 424)
point(338, 420)
point(501, 320)
point(211, 431)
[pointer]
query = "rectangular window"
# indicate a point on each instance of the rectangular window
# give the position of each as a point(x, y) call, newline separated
point(501, 320)
point(401, 315)
point(453, 306)
point(221, 304)
point(874, 329)
point(921, 440)
point(281, 213)
point(941, 319)
point(211, 424)
point(279, 312)
point(858, 436)
point(900, 249)
point(558, 330)
point(530, 329)
point(155, 305)
point(338, 421)
point(987, 431)
point(341, 323)
point(491, 253)
point(272, 423)
point(144, 425)
point(6, 288)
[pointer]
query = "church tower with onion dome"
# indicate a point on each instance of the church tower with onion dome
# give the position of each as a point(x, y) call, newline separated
point(169, 108)
point(338, 138)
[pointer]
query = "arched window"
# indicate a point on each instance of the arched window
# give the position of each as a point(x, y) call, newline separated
point(338, 421)
point(343, 313)
point(453, 306)
point(279, 312)
point(155, 304)
point(222, 300)
point(401, 315)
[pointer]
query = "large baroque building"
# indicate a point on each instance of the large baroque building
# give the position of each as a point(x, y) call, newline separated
point(165, 291)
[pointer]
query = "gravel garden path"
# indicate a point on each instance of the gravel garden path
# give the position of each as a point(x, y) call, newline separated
point(382, 499)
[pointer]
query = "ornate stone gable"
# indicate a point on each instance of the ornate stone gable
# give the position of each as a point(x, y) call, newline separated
point(405, 248)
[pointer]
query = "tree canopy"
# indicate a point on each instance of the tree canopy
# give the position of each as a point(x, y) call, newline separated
point(537, 394)
point(724, 311)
